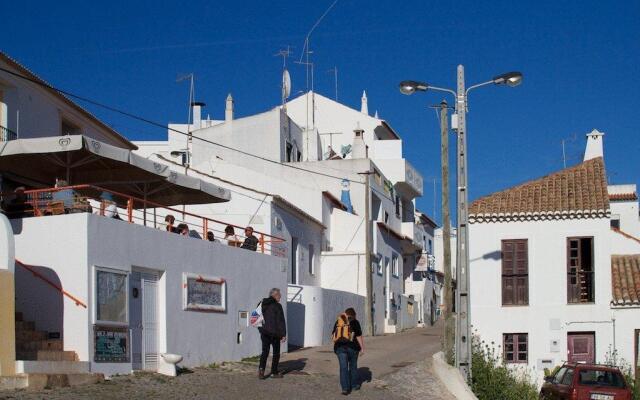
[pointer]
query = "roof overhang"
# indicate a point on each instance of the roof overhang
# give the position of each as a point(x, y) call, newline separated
point(82, 160)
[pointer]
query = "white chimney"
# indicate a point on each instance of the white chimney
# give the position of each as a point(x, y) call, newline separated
point(594, 145)
point(364, 107)
point(196, 108)
point(359, 148)
point(228, 110)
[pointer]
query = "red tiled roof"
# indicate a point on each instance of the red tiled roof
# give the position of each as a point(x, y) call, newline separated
point(623, 197)
point(575, 192)
point(625, 279)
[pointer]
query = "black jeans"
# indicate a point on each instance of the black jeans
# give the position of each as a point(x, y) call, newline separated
point(267, 342)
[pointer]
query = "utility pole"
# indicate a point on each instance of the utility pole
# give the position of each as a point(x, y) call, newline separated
point(449, 322)
point(463, 309)
point(368, 307)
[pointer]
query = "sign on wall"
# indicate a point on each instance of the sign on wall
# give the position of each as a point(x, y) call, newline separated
point(111, 344)
point(203, 293)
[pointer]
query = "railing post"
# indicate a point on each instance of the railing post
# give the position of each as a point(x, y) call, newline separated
point(130, 209)
point(205, 227)
point(262, 242)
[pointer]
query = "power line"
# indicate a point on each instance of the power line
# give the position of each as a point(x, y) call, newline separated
point(159, 125)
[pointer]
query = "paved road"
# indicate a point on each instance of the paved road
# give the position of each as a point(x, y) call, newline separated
point(396, 367)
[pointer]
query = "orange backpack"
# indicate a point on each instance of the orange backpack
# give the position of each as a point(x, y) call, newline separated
point(342, 332)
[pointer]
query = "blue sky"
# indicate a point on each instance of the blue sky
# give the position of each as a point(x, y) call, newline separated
point(578, 58)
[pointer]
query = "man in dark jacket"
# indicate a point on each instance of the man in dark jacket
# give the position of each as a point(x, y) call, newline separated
point(272, 332)
point(250, 242)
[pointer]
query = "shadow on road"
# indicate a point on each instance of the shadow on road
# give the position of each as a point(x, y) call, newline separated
point(365, 374)
point(293, 366)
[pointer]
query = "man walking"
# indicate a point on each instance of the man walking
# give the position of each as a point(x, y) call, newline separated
point(348, 343)
point(272, 332)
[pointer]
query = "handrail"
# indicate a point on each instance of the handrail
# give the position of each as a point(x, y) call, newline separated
point(147, 203)
point(47, 281)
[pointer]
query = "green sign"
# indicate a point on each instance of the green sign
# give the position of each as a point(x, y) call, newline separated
point(111, 344)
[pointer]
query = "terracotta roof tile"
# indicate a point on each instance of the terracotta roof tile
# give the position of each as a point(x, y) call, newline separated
point(625, 279)
point(623, 197)
point(575, 192)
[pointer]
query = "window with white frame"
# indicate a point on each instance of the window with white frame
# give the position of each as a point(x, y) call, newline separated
point(395, 270)
point(312, 264)
point(111, 296)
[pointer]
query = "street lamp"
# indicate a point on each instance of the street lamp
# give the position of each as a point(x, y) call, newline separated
point(463, 330)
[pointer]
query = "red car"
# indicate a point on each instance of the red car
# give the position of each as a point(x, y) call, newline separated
point(585, 382)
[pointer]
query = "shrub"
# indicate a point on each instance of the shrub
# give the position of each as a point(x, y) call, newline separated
point(611, 358)
point(493, 380)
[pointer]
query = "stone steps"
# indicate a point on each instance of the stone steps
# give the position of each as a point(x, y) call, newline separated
point(37, 382)
point(52, 367)
point(47, 344)
point(47, 355)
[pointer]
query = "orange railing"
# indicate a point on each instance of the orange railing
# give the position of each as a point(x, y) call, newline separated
point(109, 203)
point(50, 283)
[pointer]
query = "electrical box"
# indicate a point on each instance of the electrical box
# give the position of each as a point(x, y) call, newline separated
point(454, 121)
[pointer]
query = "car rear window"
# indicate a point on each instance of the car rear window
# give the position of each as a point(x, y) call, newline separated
point(595, 377)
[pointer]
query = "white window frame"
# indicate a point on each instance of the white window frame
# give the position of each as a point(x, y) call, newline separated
point(395, 269)
point(97, 321)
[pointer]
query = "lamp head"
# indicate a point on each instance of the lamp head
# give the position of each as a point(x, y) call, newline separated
point(509, 79)
point(410, 87)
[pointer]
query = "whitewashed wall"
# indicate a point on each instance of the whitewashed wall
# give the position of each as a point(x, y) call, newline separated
point(71, 245)
point(548, 316)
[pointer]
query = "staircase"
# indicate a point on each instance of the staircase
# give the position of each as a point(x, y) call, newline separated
point(43, 363)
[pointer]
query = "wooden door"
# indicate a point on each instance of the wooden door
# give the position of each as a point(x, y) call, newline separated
point(581, 347)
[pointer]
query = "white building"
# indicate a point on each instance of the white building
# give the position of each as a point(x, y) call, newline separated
point(280, 153)
point(554, 267)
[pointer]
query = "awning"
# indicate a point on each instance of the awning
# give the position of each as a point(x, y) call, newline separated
point(82, 160)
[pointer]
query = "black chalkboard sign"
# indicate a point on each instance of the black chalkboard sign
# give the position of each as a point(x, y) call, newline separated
point(111, 344)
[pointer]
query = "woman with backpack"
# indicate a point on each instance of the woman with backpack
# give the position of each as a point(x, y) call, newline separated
point(348, 344)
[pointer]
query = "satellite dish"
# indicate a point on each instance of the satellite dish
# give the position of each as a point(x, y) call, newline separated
point(286, 84)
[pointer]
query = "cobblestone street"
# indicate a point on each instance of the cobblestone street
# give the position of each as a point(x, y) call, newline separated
point(394, 367)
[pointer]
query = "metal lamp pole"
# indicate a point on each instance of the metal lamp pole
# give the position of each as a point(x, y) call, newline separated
point(463, 308)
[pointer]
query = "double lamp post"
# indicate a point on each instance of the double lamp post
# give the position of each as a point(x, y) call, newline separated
point(463, 334)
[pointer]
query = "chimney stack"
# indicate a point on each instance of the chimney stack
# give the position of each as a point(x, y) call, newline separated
point(359, 148)
point(228, 110)
point(364, 107)
point(196, 108)
point(594, 145)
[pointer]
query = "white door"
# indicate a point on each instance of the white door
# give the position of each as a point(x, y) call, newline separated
point(150, 324)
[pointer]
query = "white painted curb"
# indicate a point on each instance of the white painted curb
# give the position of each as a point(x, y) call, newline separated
point(451, 378)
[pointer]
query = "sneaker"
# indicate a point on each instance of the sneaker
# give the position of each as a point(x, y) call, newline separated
point(277, 375)
point(261, 374)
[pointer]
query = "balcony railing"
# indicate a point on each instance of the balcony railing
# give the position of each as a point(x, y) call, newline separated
point(107, 203)
point(7, 134)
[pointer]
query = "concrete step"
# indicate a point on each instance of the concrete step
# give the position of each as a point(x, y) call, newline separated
point(52, 367)
point(29, 335)
point(33, 345)
point(25, 326)
point(47, 355)
point(37, 382)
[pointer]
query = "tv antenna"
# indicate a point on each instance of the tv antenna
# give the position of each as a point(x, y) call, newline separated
point(564, 153)
point(286, 77)
point(181, 78)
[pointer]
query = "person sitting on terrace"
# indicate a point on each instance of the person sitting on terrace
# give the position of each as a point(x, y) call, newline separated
point(110, 207)
point(169, 221)
point(250, 242)
point(66, 196)
point(211, 237)
point(182, 229)
point(18, 207)
point(230, 237)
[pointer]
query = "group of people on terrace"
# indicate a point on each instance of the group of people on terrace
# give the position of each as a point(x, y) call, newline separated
point(250, 242)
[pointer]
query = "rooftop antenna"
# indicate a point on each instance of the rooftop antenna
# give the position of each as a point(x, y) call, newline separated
point(306, 51)
point(564, 153)
point(182, 78)
point(335, 76)
point(286, 77)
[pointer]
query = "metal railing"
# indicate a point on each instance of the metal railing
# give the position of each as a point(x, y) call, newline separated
point(7, 134)
point(35, 273)
point(111, 204)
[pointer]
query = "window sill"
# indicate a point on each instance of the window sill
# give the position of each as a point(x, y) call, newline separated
point(515, 305)
point(588, 303)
